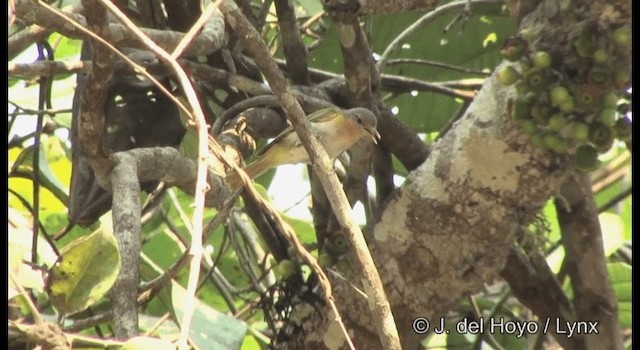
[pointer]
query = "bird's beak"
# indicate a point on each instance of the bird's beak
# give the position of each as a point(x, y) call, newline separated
point(374, 134)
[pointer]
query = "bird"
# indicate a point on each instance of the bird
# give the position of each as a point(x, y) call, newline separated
point(336, 129)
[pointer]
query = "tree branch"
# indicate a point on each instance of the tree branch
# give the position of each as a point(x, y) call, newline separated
point(94, 96)
point(594, 299)
point(207, 42)
point(294, 49)
point(537, 288)
point(380, 306)
point(27, 37)
point(372, 7)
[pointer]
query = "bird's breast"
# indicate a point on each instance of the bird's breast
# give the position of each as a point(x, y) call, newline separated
point(337, 140)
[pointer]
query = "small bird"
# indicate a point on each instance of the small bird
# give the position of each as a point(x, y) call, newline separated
point(336, 129)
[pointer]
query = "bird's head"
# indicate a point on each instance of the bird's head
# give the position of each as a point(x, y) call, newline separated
point(367, 120)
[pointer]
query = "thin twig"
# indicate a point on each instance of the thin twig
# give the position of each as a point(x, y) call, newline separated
point(427, 18)
point(44, 101)
point(615, 200)
point(395, 61)
point(193, 31)
point(48, 111)
point(34, 310)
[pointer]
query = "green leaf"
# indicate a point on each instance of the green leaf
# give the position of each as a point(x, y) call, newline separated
point(84, 273)
point(304, 229)
point(210, 329)
point(24, 166)
point(473, 45)
point(63, 120)
point(189, 145)
point(65, 47)
point(612, 232)
point(147, 343)
point(620, 274)
point(157, 325)
point(309, 7)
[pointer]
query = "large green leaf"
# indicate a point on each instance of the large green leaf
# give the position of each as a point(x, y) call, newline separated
point(23, 166)
point(473, 44)
point(620, 274)
point(210, 329)
point(84, 273)
point(147, 343)
point(612, 232)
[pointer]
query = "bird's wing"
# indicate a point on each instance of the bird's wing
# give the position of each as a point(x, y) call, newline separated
point(324, 114)
point(318, 116)
point(286, 132)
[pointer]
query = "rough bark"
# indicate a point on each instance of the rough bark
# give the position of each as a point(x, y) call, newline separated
point(450, 229)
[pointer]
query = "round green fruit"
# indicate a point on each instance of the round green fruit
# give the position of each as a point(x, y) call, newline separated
point(586, 158)
point(579, 131)
point(601, 136)
point(600, 56)
point(610, 100)
point(541, 59)
point(535, 80)
point(287, 268)
point(508, 75)
point(567, 106)
point(555, 143)
point(326, 260)
point(557, 121)
point(339, 242)
point(607, 116)
point(527, 34)
point(622, 36)
point(587, 98)
point(559, 95)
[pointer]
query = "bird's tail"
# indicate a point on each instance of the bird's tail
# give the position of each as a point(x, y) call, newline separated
point(254, 170)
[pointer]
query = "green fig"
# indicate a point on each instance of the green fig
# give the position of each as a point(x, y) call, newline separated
point(586, 158)
point(557, 121)
point(508, 75)
point(541, 59)
point(579, 131)
point(559, 94)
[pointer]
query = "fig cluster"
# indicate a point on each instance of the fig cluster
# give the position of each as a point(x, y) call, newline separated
point(571, 105)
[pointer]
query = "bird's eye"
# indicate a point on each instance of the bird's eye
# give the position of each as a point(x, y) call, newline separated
point(359, 120)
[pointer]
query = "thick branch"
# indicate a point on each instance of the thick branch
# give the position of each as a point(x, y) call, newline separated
point(594, 299)
point(94, 96)
point(294, 49)
point(20, 41)
point(537, 288)
point(358, 59)
point(126, 227)
point(207, 42)
point(371, 7)
point(448, 231)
